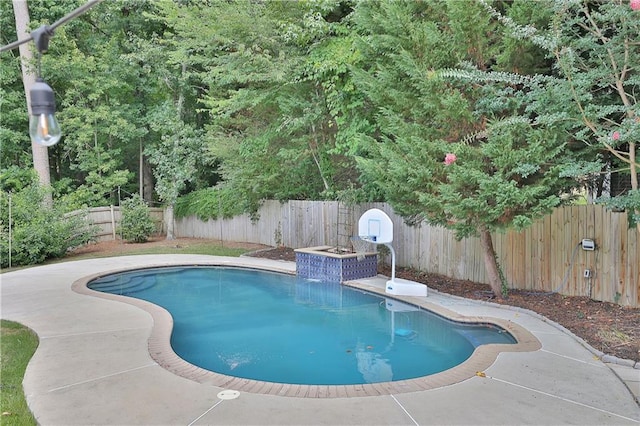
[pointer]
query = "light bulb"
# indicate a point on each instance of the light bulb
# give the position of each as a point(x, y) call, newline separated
point(44, 129)
point(43, 126)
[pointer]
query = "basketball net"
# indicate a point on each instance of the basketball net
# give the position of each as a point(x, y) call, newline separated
point(361, 247)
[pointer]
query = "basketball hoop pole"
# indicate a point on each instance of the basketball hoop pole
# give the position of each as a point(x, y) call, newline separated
point(393, 262)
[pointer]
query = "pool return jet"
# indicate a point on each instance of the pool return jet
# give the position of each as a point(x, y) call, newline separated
point(376, 227)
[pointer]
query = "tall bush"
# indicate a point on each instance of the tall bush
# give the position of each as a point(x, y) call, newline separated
point(136, 224)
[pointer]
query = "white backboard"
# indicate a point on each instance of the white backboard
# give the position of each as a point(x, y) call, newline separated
point(376, 227)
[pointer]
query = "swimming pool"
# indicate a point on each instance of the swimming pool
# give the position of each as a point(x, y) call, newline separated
point(279, 328)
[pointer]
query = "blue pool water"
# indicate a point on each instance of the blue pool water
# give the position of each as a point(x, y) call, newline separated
point(280, 328)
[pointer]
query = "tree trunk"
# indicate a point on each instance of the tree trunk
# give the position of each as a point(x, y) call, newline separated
point(490, 263)
point(168, 219)
point(634, 177)
point(140, 169)
point(148, 181)
point(146, 177)
point(40, 153)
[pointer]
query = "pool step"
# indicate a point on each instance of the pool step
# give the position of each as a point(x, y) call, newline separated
point(123, 285)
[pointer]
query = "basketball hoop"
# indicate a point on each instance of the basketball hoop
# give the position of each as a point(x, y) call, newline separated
point(376, 227)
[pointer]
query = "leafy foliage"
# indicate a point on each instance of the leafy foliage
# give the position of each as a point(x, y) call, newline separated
point(628, 203)
point(469, 157)
point(334, 98)
point(506, 173)
point(175, 155)
point(268, 95)
point(210, 203)
point(31, 233)
point(136, 224)
point(593, 95)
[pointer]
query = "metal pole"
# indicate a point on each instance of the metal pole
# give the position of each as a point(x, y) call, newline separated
point(10, 225)
point(220, 217)
point(141, 171)
point(113, 223)
point(120, 212)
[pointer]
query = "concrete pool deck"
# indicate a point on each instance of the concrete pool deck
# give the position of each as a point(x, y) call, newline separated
point(93, 366)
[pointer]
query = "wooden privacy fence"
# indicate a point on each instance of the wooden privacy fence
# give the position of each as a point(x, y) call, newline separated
point(547, 256)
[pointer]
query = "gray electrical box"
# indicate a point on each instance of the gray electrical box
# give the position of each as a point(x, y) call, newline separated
point(588, 244)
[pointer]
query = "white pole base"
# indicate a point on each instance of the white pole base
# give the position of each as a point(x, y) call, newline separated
point(400, 287)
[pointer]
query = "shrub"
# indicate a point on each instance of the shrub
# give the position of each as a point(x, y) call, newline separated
point(136, 224)
point(38, 232)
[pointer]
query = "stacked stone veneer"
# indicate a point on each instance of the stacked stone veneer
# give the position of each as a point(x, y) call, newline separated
point(319, 263)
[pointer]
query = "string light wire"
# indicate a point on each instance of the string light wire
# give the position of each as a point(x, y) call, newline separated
point(41, 35)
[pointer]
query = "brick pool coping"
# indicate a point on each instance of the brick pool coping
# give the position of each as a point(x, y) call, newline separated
point(162, 353)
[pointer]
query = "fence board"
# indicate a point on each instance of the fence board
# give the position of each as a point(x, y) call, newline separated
point(621, 264)
point(614, 255)
point(599, 261)
point(534, 253)
point(607, 258)
point(634, 274)
point(574, 218)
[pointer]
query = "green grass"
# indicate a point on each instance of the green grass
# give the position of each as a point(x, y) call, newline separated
point(208, 247)
point(17, 346)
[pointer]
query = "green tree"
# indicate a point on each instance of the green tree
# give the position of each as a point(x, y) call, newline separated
point(94, 94)
point(268, 108)
point(103, 87)
point(464, 156)
point(174, 155)
point(596, 52)
point(266, 81)
point(98, 108)
point(14, 119)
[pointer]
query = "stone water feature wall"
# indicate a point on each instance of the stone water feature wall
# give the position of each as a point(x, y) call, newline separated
point(321, 264)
